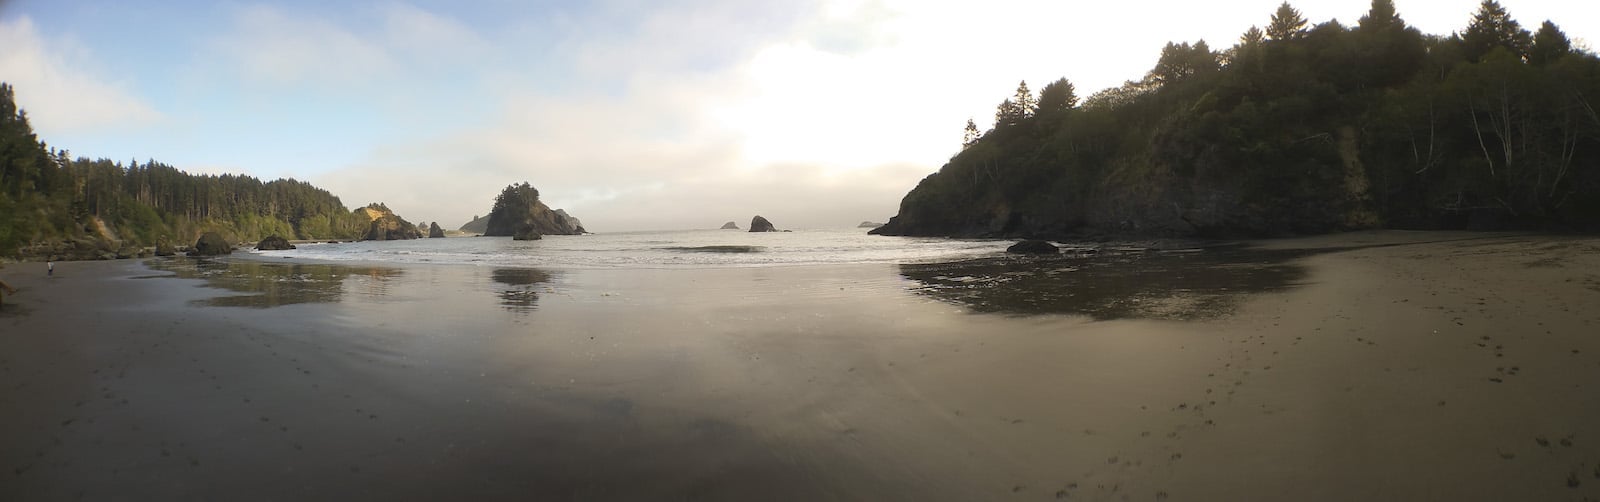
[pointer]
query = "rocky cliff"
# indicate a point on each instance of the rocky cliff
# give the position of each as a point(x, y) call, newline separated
point(385, 225)
point(518, 209)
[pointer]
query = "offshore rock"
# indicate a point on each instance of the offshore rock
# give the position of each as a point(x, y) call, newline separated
point(518, 206)
point(759, 224)
point(526, 233)
point(1033, 247)
point(434, 232)
point(729, 226)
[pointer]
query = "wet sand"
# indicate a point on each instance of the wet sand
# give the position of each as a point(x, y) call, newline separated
point(1370, 366)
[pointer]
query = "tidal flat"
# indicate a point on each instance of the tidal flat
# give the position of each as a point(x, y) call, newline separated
point(1364, 366)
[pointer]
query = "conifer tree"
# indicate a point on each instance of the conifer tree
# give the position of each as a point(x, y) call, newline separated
point(1286, 24)
point(1549, 44)
point(1493, 27)
point(971, 135)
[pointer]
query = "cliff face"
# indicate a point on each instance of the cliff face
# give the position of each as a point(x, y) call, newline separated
point(518, 209)
point(385, 225)
point(478, 225)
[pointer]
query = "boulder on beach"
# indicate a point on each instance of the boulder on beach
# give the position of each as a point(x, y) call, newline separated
point(759, 224)
point(1033, 246)
point(729, 226)
point(274, 243)
point(165, 248)
point(211, 244)
point(434, 232)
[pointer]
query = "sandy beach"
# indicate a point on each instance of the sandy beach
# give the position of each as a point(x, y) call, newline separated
point(1367, 366)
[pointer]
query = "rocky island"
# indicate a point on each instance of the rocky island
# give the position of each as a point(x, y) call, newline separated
point(759, 224)
point(519, 213)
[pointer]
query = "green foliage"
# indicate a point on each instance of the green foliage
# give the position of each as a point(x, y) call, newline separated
point(1296, 131)
point(1549, 44)
point(46, 195)
point(1286, 24)
point(1492, 28)
point(512, 209)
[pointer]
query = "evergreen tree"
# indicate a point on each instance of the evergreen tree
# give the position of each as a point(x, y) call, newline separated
point(1026, 103)
point(1057, 97)
point(1380, 17)
point(1286, 24)
point(1251, 37)
point(1549, 44)
point(1007, 114)
point(1492, 27)
point(968, 137)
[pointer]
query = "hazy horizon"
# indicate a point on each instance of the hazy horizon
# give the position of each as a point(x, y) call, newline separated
point(681, 115)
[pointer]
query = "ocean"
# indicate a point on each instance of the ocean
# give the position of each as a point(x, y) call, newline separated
point(656, 249)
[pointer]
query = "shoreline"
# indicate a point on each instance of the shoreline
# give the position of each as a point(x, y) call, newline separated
point(1378, 365)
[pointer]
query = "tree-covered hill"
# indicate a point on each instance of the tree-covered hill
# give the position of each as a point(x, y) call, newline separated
point(1293, 129)
point(47, 198)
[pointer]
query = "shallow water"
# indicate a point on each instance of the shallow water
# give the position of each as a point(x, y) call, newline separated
point(1188, 284)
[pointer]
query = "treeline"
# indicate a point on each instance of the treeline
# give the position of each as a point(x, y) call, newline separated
point(1293, 129)
point(46, 196)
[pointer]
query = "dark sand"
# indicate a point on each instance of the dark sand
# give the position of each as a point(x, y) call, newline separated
point(1371, 366)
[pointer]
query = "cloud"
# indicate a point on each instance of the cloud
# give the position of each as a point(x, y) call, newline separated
point(53, 84)
point(272, 47)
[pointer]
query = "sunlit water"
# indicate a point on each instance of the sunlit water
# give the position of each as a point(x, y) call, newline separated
point(664, 249)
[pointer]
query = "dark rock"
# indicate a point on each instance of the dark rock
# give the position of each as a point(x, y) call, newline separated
point(1033, 247)
point(386, 226)
point(211, 244)
point(130, 251)
point(759, 224)
point(434, 232)
point(518, 206)
point(274, 243)
point(526, 233)
point(165, 248)
point(729, 226)
point(571, 221)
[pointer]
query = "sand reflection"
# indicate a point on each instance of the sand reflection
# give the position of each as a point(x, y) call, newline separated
point(268, 284)
point(522, 285)
point(1189, 284)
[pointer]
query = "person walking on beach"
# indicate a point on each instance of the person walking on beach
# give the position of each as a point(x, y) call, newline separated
point(50, 267)
point(8, 289)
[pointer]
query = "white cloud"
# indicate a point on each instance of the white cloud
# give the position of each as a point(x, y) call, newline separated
point(270, 46)
point(54, 84)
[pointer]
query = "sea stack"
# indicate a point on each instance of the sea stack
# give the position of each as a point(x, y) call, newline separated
point(730, 226)
point(518, 208)
point(759, 224)
point(385, 225)
point(434, 232)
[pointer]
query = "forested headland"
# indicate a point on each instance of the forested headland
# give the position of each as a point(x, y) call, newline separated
point(1293, 129)
point(52, 203)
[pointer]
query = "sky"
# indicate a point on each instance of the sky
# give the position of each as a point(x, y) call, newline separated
point(630, 114)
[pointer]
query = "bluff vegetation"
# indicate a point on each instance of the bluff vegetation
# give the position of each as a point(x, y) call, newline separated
point(1293, 129)
point(48, 198)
